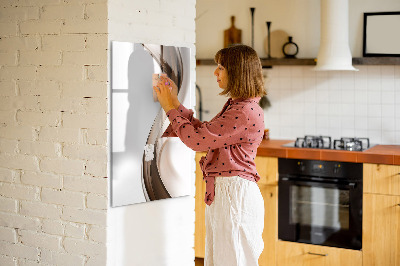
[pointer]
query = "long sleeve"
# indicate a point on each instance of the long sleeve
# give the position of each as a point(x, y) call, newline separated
point(186, 113)
point(225, 130)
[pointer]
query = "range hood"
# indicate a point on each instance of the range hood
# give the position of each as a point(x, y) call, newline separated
point(334, 51)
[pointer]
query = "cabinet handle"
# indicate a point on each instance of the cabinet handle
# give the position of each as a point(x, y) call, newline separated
point(318, 254)
point(398, 204)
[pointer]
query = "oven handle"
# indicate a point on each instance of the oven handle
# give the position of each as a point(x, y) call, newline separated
point(297, 181)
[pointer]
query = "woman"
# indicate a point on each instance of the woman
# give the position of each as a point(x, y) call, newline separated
point(235, 207)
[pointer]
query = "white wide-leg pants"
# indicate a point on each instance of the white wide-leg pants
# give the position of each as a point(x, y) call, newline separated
point(234, 223)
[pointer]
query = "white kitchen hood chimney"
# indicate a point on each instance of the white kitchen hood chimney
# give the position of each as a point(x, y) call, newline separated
point(334, 51)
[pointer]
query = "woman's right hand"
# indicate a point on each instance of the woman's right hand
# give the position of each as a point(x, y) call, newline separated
point(174, 90)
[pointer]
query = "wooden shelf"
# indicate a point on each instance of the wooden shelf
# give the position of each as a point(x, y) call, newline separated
point(376, 61)
point(312, 61)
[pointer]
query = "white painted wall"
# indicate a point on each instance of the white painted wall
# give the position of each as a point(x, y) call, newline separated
point(338, 104)
point(159, 232)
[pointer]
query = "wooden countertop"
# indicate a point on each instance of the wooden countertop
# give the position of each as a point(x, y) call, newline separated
point(379, 154)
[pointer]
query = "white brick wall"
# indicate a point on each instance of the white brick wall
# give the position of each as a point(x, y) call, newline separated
point(53, 128)
point(53, 121)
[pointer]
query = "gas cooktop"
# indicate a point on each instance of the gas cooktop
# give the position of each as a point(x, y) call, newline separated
point(325, 142)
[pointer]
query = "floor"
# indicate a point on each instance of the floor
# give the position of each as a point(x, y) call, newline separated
point(199, 262)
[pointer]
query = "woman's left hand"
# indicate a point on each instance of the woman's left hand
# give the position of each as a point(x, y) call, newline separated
point(163, 91)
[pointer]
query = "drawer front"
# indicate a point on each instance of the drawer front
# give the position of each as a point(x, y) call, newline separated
point(381, 179)
point(294, 254)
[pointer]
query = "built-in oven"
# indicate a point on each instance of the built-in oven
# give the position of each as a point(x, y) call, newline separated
point(320, 202)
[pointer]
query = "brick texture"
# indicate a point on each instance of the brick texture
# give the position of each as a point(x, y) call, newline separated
point(53, 80)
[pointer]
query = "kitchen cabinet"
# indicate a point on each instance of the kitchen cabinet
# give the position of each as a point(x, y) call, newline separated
point(381, 215)
point(298, 254)
point(381, 221)
point(200, 207)
point(381, 179)
point(270, 233)
point(267, 168)
point(381, 230)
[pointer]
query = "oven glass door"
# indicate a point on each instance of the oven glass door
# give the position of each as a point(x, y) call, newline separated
point(320, 212)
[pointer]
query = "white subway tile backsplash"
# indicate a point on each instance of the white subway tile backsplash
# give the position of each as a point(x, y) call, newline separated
point(322, 83)
point(374, 123)
point(360, 97)
point(389, 136)
point(310, 108)
point(286, 120)
point(297, 83)
point(284, 72)
point(322, 95)
point(310, 95)
point(374, 84)
point(388, 111)
point(335, 95)
point(338, 104)
point(375, 136)
point(284, 83)
point(374, 111)
point(297, 72)
point(388, 124)
point(348, 96)
point(322, 109)
point(397, 72)
point(374, 70)
point(387, 72)
point(388, 84)
point(361, 123)
point(322, 121)
point(397, 110)
point(308, 72)
point(335, 122)
point(347, 122)
point(348, 133)
point(374, 97)
point(348, 77)
point(285, 132)
point(334, 80)
point(388, 97)
point(347, 110)
point(361, 110)
point(360, 81)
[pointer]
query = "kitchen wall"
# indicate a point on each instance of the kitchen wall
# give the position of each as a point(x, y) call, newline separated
point(158, 232)
point(54, 196)
point(339, 104)
point(53, 115)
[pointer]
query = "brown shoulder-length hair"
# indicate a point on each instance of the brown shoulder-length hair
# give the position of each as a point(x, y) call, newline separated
point(245, 78)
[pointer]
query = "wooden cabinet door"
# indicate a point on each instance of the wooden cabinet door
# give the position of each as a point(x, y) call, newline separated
point(200, 207)
point(381, 179)
point(381, 230)
point(270, 233)
point(298, 254)
point(267, 168)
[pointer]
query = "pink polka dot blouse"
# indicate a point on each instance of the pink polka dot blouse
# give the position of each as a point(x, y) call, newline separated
point(231, 139)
